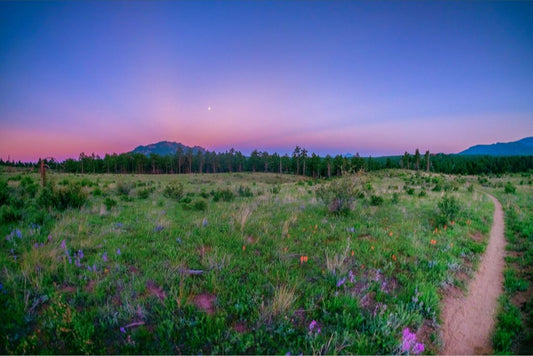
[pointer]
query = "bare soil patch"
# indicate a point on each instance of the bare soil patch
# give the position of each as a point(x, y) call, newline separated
point(468, 320)
point(155, 290)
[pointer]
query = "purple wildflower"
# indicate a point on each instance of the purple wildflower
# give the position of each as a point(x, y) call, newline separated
point(409, 343)
point(80, 254)
point(104, 257)
point(122, 330)
point(341, 282)
point(419, 348)
point(204, 222)
point(158, 228)
point(352, 277)
point(36, 245)
point(312, 325)
point(118, 251)
point(63, 244)
point(49, 238)
point(18, 233)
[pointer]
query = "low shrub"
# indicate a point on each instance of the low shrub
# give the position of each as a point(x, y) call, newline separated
point(376, 200)
point(110, 203)
point(124, 188)
point(339, 195)
point(509, 188)
point(224, 195)
point(448, 209)
point(173, 190)
point(71, 195)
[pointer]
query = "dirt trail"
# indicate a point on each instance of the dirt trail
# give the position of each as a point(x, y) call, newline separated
point(468, 321)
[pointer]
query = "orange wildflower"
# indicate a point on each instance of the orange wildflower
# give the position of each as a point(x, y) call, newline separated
point(285, 249)
point(353, 253)
point(243, 248)
point(363, 266)
point(372, 248)
point(316, 227)
point(391, 233)
point(393, 258)
point(453, 223)
point(445, 227)
point(433, 242)
point(303, 259)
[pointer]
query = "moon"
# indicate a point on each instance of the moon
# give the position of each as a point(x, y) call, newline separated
point(208, 108)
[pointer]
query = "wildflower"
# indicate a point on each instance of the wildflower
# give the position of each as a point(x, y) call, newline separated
point(352, 229)
point(312, 325)
point(49, 238)
point(118, 225)
point(18, 233)
point(158, 228)
point(393, 257)
point(104, 257)
point(178, 240)
point(362, 266)
point(204, 222)
point(391, 234)
point(243, 248)
point(341, 282)
point(445, 227)
point(409, 343)
point(433, 242)
point(36, 245)
point(63, 244)
point(118, 251)
point(372, 248)
point(122, 330)
point(353, 253)
point(453, 223)
point(352, 277)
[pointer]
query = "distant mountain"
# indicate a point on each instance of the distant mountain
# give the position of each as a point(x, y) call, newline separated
point(165, 148)
point(523, 147)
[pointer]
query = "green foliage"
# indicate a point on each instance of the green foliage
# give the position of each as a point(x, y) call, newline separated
point(124, 188)
point(448, 210)
point(145, 193)
point(513, 283)
point(223, 194)
point(339, 195)
point(173, 190)
point(71, 195)
point(245, 191)
point(376, 200)
point(4, 192)
point(110, 203)
point(509, 188)
point(508, 325)
point(9, 214)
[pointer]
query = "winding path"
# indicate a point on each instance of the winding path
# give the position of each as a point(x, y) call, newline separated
point(468, 321)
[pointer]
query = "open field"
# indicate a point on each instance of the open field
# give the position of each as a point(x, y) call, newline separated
point(239, 263)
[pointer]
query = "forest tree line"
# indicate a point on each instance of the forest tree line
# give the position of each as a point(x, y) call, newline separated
point(300, 162)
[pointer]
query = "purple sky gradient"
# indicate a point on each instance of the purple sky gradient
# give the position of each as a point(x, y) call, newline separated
point(374, 77)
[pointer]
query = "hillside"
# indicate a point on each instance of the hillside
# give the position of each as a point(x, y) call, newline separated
point(165, 148)
point(523, 147)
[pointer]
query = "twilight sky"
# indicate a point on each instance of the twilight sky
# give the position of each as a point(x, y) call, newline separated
point(374, 77)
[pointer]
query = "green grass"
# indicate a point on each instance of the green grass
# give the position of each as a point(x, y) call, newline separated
point(514, 327)
point(232, 263)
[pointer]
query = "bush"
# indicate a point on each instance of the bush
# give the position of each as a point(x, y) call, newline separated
point(71, 195)
point(376, 200)
point(110, 203)
point(173, 190)
point(4, 192)
point(144, 193)
point(9, 214)
point(124, 188)
point(339, 195)
point(509, 188)
point(224, 194)
point(200, 205)
point(448, 210)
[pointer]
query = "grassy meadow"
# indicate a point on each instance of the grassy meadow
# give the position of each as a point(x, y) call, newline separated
point(238, 263)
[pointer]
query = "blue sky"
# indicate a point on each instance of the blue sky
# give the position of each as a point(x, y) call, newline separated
point(374, 77)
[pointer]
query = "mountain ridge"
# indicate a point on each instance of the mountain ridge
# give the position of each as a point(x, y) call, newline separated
point(522, 147)
point(165, 148)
